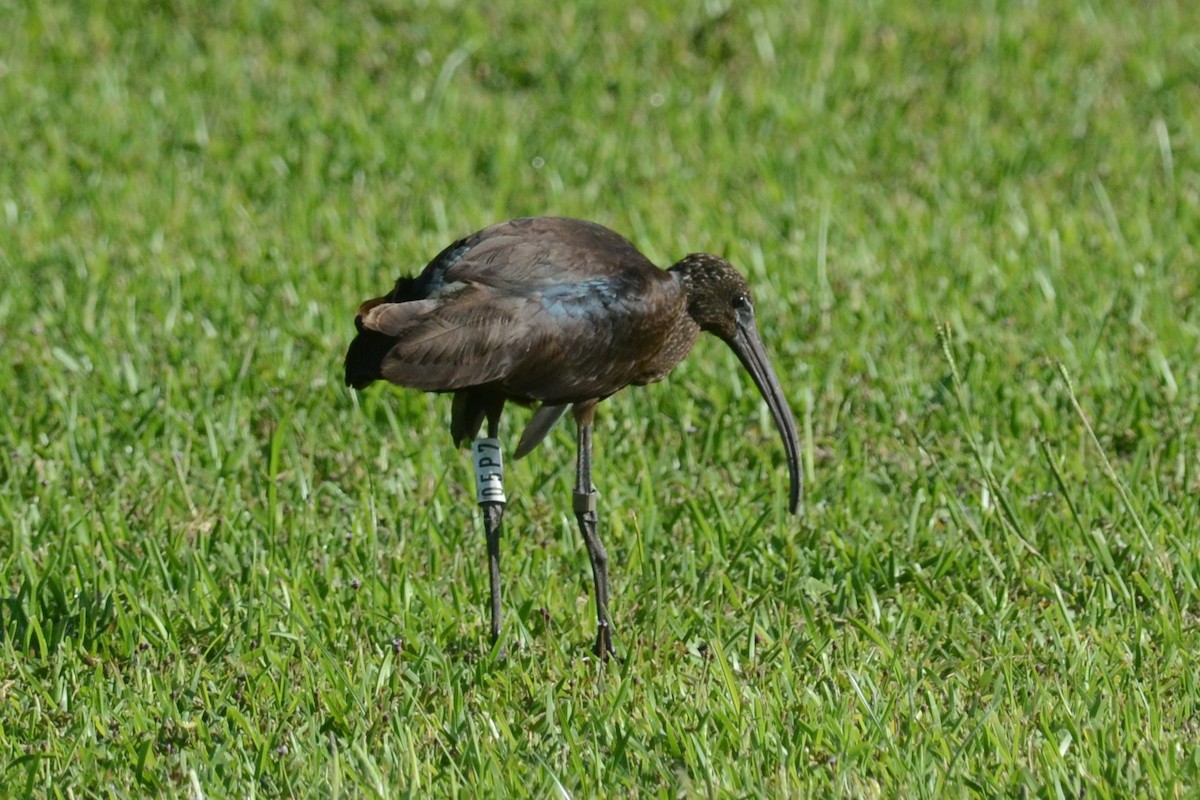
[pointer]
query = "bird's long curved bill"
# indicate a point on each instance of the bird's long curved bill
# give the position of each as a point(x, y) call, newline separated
point(749, 349)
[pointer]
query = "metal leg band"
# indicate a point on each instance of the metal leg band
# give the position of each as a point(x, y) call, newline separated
point(584, 503)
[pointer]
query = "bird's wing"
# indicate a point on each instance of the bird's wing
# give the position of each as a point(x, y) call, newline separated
point(546, 309)
point(448, 343)
point(534, 253)
point(563, 345)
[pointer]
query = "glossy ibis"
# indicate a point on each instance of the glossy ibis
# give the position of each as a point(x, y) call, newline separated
point(563, 313)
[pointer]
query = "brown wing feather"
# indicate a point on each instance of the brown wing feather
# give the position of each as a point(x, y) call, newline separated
point(534, 253)
point(544, 309)
point(446, 345)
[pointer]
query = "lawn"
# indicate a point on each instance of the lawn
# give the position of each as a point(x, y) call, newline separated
point(972, 230)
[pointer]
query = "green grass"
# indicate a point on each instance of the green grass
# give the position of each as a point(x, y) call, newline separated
point(223, 573)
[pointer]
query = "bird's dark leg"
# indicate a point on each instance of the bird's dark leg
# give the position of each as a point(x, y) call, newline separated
point(489, 485)
point(585, 513)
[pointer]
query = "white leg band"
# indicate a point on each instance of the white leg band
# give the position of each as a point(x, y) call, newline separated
point(489, 471)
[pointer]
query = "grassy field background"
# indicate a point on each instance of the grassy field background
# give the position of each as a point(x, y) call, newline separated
point(972, 230)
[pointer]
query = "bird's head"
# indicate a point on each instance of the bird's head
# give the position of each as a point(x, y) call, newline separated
point(717, 293)
point(719, 301)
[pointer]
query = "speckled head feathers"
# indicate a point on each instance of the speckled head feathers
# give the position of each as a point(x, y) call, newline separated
point(715, 290)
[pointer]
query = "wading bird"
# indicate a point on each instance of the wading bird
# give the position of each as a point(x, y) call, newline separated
point(563, 313)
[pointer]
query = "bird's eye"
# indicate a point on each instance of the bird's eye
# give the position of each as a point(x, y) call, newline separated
point(741, 301)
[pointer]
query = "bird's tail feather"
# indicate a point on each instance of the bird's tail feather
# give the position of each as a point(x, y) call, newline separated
point(541, 423)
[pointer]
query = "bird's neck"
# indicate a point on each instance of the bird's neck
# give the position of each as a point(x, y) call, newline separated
point(685, 273)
